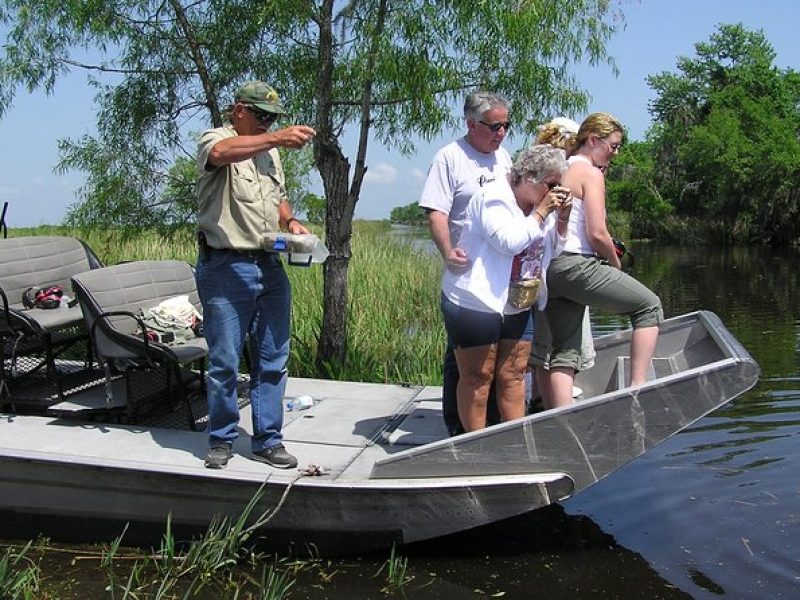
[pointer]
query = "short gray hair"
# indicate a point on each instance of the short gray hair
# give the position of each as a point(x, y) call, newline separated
point(538, 163)
point(478, 103)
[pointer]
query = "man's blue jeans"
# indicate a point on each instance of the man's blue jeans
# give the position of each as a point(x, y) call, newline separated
point(242, 296)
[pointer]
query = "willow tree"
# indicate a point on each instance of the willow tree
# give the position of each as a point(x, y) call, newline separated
point(391, 70)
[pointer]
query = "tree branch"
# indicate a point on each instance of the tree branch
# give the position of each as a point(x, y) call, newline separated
point(200, 63)
point(105, 69)
point(465, 86)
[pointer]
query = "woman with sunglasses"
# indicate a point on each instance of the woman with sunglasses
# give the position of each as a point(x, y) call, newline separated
point(588, 271)
point(510, 236)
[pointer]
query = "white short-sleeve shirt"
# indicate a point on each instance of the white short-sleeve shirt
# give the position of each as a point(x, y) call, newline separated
point(457, 173)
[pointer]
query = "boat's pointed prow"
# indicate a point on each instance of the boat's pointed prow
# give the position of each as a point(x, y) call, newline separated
point(698, 367)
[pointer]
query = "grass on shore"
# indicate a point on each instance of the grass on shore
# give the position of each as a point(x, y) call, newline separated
point(395, 330)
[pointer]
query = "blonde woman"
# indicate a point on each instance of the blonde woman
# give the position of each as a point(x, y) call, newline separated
point(588, 272)
point(559, 133)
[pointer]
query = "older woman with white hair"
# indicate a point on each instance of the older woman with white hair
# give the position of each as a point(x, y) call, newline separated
point(513, 227)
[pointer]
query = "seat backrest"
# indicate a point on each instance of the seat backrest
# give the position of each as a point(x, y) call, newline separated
point(132, 287)
point(40, 261)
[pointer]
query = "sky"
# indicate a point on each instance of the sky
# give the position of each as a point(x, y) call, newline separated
point(655, 34)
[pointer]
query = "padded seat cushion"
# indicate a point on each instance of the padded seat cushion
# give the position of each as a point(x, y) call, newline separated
point(138, 285)
point(53, 319)
point(40, 261)
point(132, 288)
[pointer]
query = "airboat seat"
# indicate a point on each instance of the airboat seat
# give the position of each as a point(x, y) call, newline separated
point(113, 300)
point(42, 347)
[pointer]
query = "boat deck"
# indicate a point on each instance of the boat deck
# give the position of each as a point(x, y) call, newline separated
point(349, 427)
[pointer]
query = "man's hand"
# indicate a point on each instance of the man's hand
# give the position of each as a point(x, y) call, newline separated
point(457, 258)
point(296, 227)
point(294, 136)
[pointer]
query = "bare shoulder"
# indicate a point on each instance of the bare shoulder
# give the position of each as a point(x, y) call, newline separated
point(582, 176)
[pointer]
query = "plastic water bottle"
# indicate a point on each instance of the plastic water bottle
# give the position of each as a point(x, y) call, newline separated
point(299, 403)
point(305, 402)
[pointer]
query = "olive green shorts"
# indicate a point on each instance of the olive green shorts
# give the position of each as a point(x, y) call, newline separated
point(574, 282)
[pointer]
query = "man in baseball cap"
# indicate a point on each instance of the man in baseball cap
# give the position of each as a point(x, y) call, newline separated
point(242, 197)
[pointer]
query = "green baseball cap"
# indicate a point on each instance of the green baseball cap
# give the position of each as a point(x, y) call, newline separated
point(260, 95)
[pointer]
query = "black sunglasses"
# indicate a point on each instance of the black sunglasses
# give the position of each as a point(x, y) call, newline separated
point(263, 116)
point(496, 126)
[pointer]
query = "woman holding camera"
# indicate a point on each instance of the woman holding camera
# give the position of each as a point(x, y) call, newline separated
point(513, 227)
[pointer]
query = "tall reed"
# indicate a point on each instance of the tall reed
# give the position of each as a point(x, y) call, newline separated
point(20, 576)
point(394, 327)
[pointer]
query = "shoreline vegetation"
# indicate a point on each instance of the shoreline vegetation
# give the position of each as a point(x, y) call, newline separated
point(225, 563)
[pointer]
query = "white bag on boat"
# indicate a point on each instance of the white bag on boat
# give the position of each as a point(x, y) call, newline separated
point(174, 320)
point(176, 310)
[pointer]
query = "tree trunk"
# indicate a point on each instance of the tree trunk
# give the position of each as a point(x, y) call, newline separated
point(333, 336)
point(334, 169)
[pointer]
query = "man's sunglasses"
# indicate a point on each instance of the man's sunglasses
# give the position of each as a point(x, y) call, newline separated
point(496, 126)
point(267, 118)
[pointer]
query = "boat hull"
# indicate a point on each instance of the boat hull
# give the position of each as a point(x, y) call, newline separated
point(306, 510)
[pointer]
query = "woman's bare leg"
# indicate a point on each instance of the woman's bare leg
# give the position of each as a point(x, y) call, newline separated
point(643, 345)
point(475, 370)
point(512, 362)
point(561, 380)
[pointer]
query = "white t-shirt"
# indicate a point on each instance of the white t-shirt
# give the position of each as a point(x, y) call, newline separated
point(494, 232)
point(457, 172)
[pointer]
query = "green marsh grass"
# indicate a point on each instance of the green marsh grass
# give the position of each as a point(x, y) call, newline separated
point(222, 564)
point(396, 573)
point(19, 574)
point(395, 330)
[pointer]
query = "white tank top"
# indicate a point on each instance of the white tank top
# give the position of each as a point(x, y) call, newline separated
point(577, 241)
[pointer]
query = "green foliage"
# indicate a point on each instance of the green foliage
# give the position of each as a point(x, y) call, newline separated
point(312, 206)
point(726, 138)
point(632, 193)
point(19, 575)
point(410, 214)
point(164, 70)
